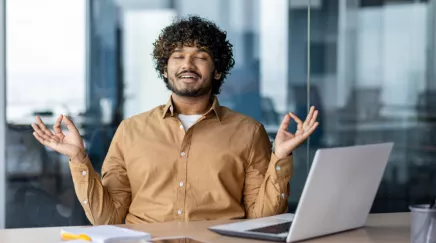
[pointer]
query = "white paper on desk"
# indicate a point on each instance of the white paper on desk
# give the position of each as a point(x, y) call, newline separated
point(74, 241)
point(109, 234)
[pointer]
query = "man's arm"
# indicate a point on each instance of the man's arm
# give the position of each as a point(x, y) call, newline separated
point(105, 200)
point(268, 173)
point(266, 188)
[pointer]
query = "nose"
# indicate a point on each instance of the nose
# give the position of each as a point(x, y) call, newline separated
point(188, 63)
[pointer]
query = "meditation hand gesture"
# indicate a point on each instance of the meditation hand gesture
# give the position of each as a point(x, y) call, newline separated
point(69, 144)
point(285, 141)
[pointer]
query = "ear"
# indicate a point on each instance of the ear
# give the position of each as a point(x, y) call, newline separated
point(217, 75)
point(165, 73)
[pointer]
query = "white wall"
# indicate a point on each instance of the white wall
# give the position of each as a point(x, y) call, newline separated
point(431, 45)
point(46, 55)
point(346, 55)
point(2, 118)
point(144, 90)
point(391, 51)
point(274, 41)
point(370, 34)
point(142, 4)
point(405, 54)
point(209, 9)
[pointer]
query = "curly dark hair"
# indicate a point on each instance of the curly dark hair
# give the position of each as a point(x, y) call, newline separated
point(202, 33)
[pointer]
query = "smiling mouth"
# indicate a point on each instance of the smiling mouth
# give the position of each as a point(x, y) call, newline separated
point(189, 76)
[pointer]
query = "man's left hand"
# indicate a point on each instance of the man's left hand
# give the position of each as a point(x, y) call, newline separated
point(286, 142)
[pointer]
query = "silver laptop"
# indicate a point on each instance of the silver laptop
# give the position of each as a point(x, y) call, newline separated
point(338, 195)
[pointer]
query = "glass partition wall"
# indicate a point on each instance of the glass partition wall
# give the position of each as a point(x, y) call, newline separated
point(368, 66)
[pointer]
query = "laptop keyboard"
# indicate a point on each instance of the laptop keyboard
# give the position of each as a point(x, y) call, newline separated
point(274, 229)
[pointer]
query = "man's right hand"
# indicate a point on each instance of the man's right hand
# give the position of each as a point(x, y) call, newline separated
point(69, 144)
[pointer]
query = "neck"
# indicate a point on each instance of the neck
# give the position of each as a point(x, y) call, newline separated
point(191, 105)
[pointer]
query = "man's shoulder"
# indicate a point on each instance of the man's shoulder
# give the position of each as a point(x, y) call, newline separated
point(232, 116)
point(144, 116)
point(241, 124)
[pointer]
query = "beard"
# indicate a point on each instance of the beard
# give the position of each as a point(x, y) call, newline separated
point(189, 92)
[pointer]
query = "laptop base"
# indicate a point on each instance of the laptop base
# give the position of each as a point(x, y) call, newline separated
point(251, 235)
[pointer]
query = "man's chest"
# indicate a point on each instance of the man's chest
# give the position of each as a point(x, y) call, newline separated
point(167, 158)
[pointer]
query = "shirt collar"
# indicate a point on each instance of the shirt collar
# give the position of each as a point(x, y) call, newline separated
point(215, 108)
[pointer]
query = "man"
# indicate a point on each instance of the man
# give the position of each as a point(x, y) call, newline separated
point(190, 159)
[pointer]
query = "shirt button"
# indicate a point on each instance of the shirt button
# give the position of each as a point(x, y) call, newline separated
point(181, 184)
point(85, 202)
point(283, 195)
point(182, 154)
point(84, 173)
point(181, 127)
point(179, 212)
point(277, 168)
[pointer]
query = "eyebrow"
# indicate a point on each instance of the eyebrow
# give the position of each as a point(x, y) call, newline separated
point(203, 50)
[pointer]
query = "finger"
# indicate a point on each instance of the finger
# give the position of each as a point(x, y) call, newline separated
point(57, 126)
point(55, 138)
point(310, 130)
point(297, 120)
point(39, 138)
point(308, 117)
point(43, 127)
point(46, 141)
point(313, 120)
point(299, 132)
point(70, 124)
point(285, 123)
point(40, 132)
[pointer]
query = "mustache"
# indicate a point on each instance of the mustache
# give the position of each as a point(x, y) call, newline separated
point(188, 71)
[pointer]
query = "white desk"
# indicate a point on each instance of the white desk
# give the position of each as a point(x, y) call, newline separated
point(380, 228)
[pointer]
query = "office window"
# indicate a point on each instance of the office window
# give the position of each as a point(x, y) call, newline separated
point(381, 92)
point(45, 65)
point(2, 113)
point(371, 77)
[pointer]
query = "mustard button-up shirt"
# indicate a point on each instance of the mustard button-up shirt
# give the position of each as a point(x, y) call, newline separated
point(222, 167)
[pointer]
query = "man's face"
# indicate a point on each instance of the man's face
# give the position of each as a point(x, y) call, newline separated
point(190, 72)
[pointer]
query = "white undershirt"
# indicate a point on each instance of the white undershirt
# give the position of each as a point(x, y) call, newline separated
point(188, 120)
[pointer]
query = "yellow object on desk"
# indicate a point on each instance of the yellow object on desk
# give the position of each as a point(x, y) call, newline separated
point(103, 234)
point(70, 236)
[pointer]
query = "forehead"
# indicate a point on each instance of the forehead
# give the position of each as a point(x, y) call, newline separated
point(191, 49)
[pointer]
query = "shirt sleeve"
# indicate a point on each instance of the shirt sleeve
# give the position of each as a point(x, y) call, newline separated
point(266, 188)
point(106, 200)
